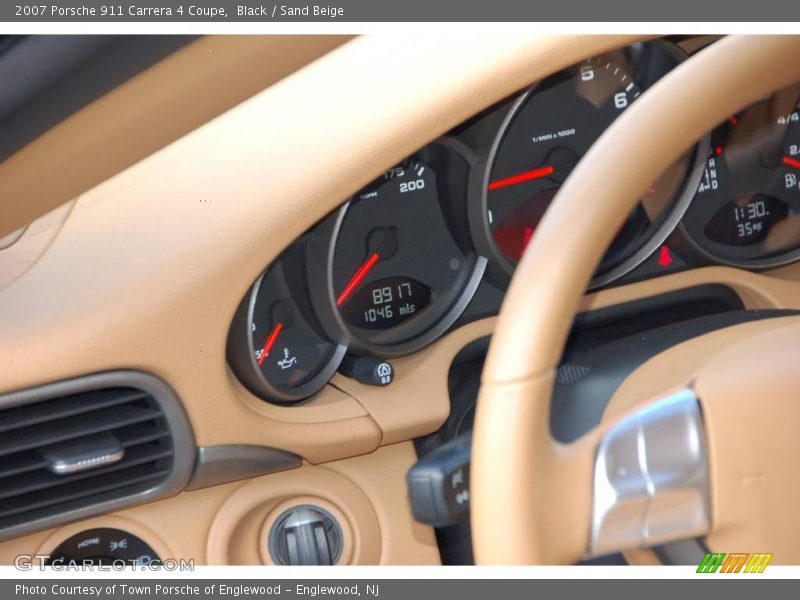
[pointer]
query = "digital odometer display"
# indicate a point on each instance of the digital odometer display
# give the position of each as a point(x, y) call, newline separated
point(387, 302)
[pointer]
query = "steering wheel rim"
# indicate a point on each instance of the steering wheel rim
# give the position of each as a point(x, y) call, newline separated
point(519, 472)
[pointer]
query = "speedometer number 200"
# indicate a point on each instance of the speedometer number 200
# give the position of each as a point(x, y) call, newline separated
point(412, 186)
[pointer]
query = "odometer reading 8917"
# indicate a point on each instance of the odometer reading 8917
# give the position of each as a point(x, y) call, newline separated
point(386, 302)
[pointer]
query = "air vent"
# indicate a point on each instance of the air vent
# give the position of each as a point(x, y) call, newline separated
point(81, 447)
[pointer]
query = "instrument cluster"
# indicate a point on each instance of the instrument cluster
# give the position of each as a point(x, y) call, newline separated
point(433, 242)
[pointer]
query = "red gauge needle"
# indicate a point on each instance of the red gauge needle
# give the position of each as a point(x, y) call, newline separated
point(271, 339)
point(537, 173)
point(358, 277)
point(791, 162)
point(527, 235)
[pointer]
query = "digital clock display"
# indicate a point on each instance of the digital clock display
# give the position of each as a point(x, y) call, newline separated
point(386, 303)
point(745, 222)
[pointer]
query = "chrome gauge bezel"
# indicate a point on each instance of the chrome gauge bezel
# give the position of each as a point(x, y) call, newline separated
point(501, 270)
point(707, 250)
point(320, 265)
point(246, 368)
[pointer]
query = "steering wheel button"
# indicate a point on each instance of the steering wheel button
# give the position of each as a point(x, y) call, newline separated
point(675, 459)
point(620, 490)
point(622, 463)
point(651, 478)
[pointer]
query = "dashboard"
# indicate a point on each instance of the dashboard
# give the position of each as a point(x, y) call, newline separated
point(235, 280)
point(432, 242)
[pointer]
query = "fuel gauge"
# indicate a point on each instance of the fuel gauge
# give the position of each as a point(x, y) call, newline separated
point(275, 346)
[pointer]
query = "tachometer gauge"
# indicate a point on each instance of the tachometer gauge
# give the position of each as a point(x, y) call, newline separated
point(747, 209)
point(395, 276)
point(275, 346)
point(545, 134)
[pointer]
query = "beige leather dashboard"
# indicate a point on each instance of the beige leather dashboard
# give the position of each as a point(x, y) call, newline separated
point(147, 268)
point(143, 274)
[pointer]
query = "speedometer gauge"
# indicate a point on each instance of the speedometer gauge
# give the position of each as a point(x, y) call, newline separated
point(747, 209)
point(545, 134)
point(395, 274)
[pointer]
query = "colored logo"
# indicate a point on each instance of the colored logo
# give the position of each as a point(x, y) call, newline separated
point(714, 562)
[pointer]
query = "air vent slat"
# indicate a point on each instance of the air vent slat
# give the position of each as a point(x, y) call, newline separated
point(16, 464)
point(62, 408)
point(140, 433)
point(48, 434)
point(38, 480)
point(74, 427)
point(131, 435)
point(79, 489)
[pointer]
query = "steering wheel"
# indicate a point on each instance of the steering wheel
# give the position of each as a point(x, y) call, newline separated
point(710, 446)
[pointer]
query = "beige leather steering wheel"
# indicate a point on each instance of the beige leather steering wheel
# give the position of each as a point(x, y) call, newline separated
point(722, 415)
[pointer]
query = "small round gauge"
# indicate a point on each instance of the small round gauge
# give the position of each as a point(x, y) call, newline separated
point(747, 209)
point(545, 134)
point(103, 546)
point(275, 346)
point(396, 275)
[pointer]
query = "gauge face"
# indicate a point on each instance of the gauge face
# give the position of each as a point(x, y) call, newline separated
point(545, 135)
point(276, 348)
point(398, 276)
point(747, 209)
point(103, 546)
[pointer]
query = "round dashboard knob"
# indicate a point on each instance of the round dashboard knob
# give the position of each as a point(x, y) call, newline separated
point(305, 535)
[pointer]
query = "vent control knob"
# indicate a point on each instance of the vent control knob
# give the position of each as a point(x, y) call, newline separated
point(305, 535)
